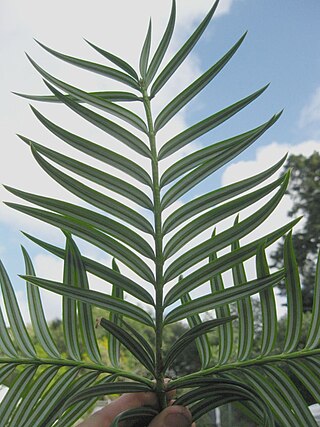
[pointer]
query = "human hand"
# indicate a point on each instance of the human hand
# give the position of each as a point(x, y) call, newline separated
point(172, 416)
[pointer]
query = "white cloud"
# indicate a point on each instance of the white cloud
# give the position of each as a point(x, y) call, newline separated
point(310, 114)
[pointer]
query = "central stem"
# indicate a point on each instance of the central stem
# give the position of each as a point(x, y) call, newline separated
point(159, 373)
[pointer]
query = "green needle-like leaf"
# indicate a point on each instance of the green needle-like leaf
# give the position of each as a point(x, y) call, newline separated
point(206, 125)
point(272, 398)
point(35, 391)
point(233, 294)
point(215, 197)
point(104, 179)
point(15, 393)
point(102, 271)
point(144, 56)
point(225, 331)
point(113, 342)
point(116, 60)
point(163, 46)
point(200, 156)
point(100, 103)
point(294, 398)
point(191, 91)
point(202, 342)
point(96, 68)
point(37, 315)
point(197, 175)
point(51, 398)
point(129, 342)
point(94, 219)
point(106, 125)
point(294, 297)
point(190, 336)
point(181, 55)
point(6, 344)
point(94, 298)
point(96, 151)
point(314, 330)
point(95, 198)
point(268, 306)
point(93, 236)
point(112, 96)
point(69, 306)
point(18, 328)
point(226, 237)
point(305, 372)
point(203, 222)
point(85, 315)
point(245, 313)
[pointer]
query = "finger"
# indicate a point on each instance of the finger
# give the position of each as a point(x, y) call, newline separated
point(173, 416)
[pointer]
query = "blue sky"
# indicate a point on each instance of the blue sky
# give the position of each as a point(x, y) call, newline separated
point(281, 47)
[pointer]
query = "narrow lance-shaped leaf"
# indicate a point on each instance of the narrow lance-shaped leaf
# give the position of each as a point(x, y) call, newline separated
point(105, 105)
point(294, 297)
point(233, 294)
point(204, 154)
point(100, 270)
point(163, 46)
point(199, 204)
point(144, 56)
point(283, 383)
point(93, 150)
point(37, 315)
point(274, 400)
point(116, 60)
point(85, 315)
point(18, 328)
point(308, 375)
point(268, 306)
point(109, 226)
point(190, 336)
point(226, 237)
point(96, 68)
point(191, 91)
point(202, 342)
point(113, 342)
point(83, 381)
point(95, 198)
point(6, 344)
point(69, 306)
point(206, 125)
point(181, 55)
point(206, 220)
point(225, 331)
point(15, 392)
point(129, 342)
point(314, 330)
point(245, 313)
point(95, 298)
point(97, 176)
point(51, 398)
point(198, 174)
point(97, 238)
point(107, 95)
point(111, 128)
point(30, 399)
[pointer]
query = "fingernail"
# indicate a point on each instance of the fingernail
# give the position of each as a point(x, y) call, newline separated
point(177, 420)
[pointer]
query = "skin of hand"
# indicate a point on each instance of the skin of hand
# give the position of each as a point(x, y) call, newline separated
point(172, 416)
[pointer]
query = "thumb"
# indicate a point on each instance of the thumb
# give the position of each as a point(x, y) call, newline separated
point(173, 416)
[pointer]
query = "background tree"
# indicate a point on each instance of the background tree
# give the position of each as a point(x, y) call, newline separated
point(304, 190)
